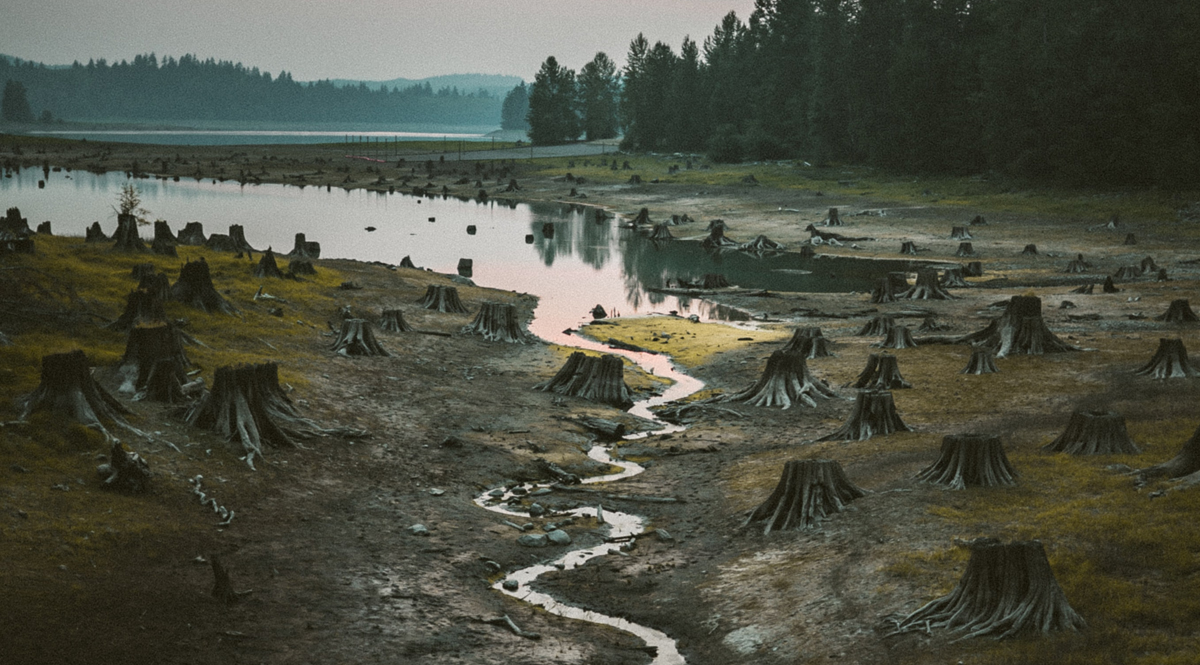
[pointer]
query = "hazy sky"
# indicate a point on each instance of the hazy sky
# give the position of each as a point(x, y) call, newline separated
point(356, 39)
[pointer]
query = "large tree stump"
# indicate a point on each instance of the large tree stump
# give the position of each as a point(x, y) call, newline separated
point(1183, 464)
point(898, 337)
point(357, 338)
point(1170, 361)
point(267, 267)
point(808, 491)
point(141, 307)
point(67, 388)
point(926, 288)
point(879, 325)
point(157, 284)
point(1179, 311)
point(716, 239)
point(883, 292)
point(299, 267)
point(953, 278)
point(192, 234)
point(124, 471)
point(596, 378)
point(143, 368)
point(1094, 432)
point(497, 322)
point(237, 235)
point(1078, 265)
point(1126, 273)
point(392, 320)
point(443, 299)
point(1109, 286)
point(833, 219)
point(13, 223)
point(785, 381)
point(1030, 250)
point(970, 460)
point(194, 288)
point(95, 234)
point(810, 343)
point(762, 245)
point(661, 233)
point(1007, 589)
point(960, 233)
point(164, 240)
point(305, 249)
point(965, 249)
point(221, 242)
point(881, 373)
point(874, 413)
point(1019, 331)
point(982, 362)
point(126, 238)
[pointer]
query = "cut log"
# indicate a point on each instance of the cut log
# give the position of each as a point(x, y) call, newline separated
point(810, 343)
point(953, 278)
point(237, 235)
point(965, 250)
point(1019, 331)
point(982, 362)
point(883, 292)
point(1179, 311)
point(1170, 361)
point(305, 249)
point(960, 233)
point(881, 373)
point(1030, 250)
point(1186, 463)
point(95, 233)
point(192, 234)
point(142, 307)
point(1109, 286)
point(267, 267)
point(926, 288)
point(194, 288)
point(497, 322)
point(899, 337)
point(833, 219)
point(879, 325)
point(1078, 265)
point(1094, 432)
point(392, 320)
point(443, 299)
point(125, 471)
point(973, 269)
point(1007, 589)
point(716, 239)
point(970, 460)
point(762, 245)
point(596, 378)
point(807, 493)
point(67, 388)
point(357, 338)
point(785, 381)
point(298, 267)
point(147, 346)
point(126, 238)
point(874, 413)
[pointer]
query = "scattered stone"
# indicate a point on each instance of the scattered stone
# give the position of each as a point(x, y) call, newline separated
point(533, 540)
point(559, 537)
point(419, 530)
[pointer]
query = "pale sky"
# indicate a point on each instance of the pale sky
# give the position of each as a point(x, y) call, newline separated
point(363, 39)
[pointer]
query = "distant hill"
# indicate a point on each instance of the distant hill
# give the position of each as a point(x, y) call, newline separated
point(14, 60)
point(496, 85)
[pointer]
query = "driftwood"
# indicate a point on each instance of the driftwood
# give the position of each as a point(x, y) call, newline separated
point(1179, 311)
point(926, 288)
point(357, 338)
point(970, 460)
point(95, 234)
point(810, 343)
point(879, 325)
point(808, 491)
point(1006, 590)
point(874, 413)
point(192, 234)
point(194, 288)
point(898, 337)
point(67, 388)
point(392, 320)
point(982, 362)
point(605, 429)
point(124, 471)
point(1094, 432)
point(1170, 361)
point(881, 373)
point(126, 238)
point(785, 381)
point(1186, 463)
point(497, 322)
point(596, 378)
point(443, 299)
point(267, 267)
point(1019, 331)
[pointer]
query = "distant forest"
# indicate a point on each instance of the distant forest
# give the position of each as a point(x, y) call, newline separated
point(1072, 90)
point(191, 89)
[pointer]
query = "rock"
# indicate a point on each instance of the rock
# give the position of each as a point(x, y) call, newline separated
point(496, 493)
point(533, 540)
point(541, 491)
point(418, 530)
point(536, 510)
point(511, 585)
point(559, 537)
point(520, 491)
point(436, 492)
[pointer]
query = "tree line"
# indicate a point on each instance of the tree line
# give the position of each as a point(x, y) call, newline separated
point(1091, 91)
point(190, 89)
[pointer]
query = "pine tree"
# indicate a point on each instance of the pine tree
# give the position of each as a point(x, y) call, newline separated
point(598, 89)
point(515, 109)
point(15, 105)
point(552, 101)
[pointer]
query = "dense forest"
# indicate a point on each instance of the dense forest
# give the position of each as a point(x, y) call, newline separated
point(1072, 90)
point(190, 89)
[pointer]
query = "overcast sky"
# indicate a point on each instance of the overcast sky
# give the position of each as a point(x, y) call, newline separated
point(355, 39)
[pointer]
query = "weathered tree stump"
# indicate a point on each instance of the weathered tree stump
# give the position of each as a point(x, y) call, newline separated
point(879, 325)
point(305, 249)
point(157, 284)
point(1030, 250)
point(808, 491)
point(1183, 464)
point(237, 235)
point(406, 262)
point(899, 337)
point(716, 223)
point(299, 267)
point(973, 269)
point(926, 288)
point(1130, 239)
point(497, 322)
point(965, 250)
point(716, 239)
point(810, 343)
point(1007, 589)
point(67, 388)
point(442, 298)
point(1078, 265)
point(192, 235)
point(970, 460)
point(125, 471)
point(883, 292)
point(1179, 311)
point(1149, 266)
point(661, 233)
point(960, 233)
point(392, 320)
point(95, 234)
point(833, 219)
point(785, 381)
point(1170, 361)
point(1086, 289)
point(164, 240)
point(596, 378)
point(711, 280)
point(126, 238)
point(267, 267)
point(1094, 432)
point(13, 223)
point(357, 338)
point(807, 252)
point(982, 362)
point(643, 217)
point(1126, 273)
point(953, 278)
point(881, 373)
point(146, 348)
point(194, 288)
point(222, 588)
point(1019, 331)
point(762, 245)
point(874, 413)
point(220, 242)
point(1109, 286)
point(141, 307)
point(908, 247)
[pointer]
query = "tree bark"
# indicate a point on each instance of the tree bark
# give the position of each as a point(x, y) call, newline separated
point(164, 240)
point(1109, 286)
point(982, 362)
point(881, 373)
point(1170, 361)
point(807, 493)
point(442, 298)
point(785, 381)
point(973, 269)
point(898, 337)
point(194, 288)
point(879, 325)
point(970, 460)
point(67, 388)
point(497, 322)
point(1127, 273)
point(596, 378)
point(1094, 433)
point(874, 413)
point(357, 339)
point(392, 320)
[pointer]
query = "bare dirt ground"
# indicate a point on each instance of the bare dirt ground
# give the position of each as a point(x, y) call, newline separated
point(322, 536)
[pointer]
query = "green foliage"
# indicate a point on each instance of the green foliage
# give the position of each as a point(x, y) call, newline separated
point(725, 146)
point(15, 105)
point(598, 87)
point(552, 105)
point(515, 109)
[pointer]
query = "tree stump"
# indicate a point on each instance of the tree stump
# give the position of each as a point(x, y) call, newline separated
point(194, 288)
point(807, 252)
point(222, 588)
point(164, 239)
point(1162, 275)
point(874, 413)
point(406, 262)
point(548, 231)
point(881, 373)
point(716, 223)
point(1007, 589)
point(898, 337)
point(497, 322)
point(598, 312)
point(13, 223)
point(1170, 361)
point(1148, 266)
point(192, 235)
point(146, 348)
point(965, 250)
point(883, 292)
point(982, 362)
point(1130, 239)
point(1126, 273)
point(960, 233)
point(716, 239)
point(220, 242)
point(237, 235)
point(661, 233)
point(973, 269)
point(808, 491)
point(1179, 311)
point(908, 247)
point(1078, 265)
point(810, 343)
point(970, 460)
point(357, 338)
point(1086, 289)
point(926, 288)
point(1094, 432)
point(126, 238)
point(712, 281)
point(762, 245)
point(833, 219)
point(785, 381)
point(95, 234)
point(1183, 464)
point(156, 283)
point(1030, 250)
point(392, 320)
point(596, 378)
point(953, 278)
point(299, 267)
point(267, 267)
point(1109, 286)
point(442, 298)
point(1019, 331)
point(304, 248)
point(643, 217)
point(879, 325)
point(141, 307)
point(124, 471)
point(67, 388)
point(899, 280)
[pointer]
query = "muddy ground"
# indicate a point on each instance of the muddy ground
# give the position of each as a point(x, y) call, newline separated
point(322, 544)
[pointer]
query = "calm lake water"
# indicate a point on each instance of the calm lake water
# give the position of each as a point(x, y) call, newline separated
point(263, 136)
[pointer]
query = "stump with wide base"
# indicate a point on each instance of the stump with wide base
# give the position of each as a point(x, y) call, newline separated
point(833, 219)
point(810, 343)
point(762, 245)
point(874, 413)
point(67, 388)
point(881, 373)
point(965, 249)
point(1170, 361)
point(192, 234)
point(879, 325)
point(267, 267)
point(1094, 432)
point(883, 292)
point(141, 307)
point(1007, 589)
point(95, 234)
point(1030, 250)
point(154, 365)
point(898, 337)
point(442, 298)
point(357, 338)
point(596, 378)
point(305, 249)
point(1078, 265)
point(982, 362)
point(126, 238)
point(497, 322)
point(960, 233)
point(1109, 286)
point(807, 493)
point(1019, 331)
point(194, 288)
point(1186, 463)
point(970, 460)
point(392, 320)
point(661, 233)
point(125, 471)
point(716, 239)
point(785, 381)
point(953, 278)
point(1179, 311)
